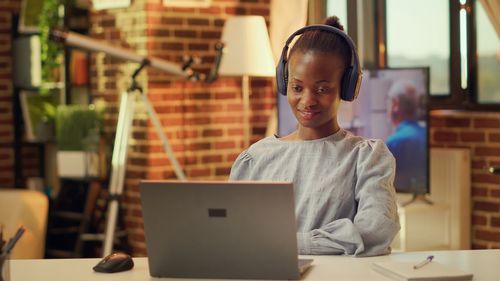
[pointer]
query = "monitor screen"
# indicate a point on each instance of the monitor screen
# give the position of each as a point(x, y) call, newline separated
point(392, 106)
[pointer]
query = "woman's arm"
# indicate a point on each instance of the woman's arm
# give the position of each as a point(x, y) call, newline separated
point(375, 223)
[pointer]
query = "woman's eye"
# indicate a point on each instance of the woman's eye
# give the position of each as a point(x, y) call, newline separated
point(296, 89)
point(323, 90)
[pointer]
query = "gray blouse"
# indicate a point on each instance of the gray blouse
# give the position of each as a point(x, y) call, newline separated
point(344, 194)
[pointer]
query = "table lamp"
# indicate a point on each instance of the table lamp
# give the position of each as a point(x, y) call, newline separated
point(247, 52)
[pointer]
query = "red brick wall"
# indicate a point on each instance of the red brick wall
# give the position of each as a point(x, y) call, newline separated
point(480, 132)
point(202, 121)
point(8, 8)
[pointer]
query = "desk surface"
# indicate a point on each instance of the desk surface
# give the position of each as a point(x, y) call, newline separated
point(484, 264)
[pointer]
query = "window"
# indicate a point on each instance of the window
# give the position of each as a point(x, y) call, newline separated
point(339, 9)
point(488, 65)
point(420, 36)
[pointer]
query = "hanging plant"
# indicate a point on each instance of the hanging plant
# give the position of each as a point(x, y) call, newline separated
point(52, 16)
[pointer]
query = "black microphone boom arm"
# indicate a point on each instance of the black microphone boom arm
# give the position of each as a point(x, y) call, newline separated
point(84, 42)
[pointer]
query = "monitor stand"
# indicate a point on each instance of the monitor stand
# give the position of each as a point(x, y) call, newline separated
point(418, 197)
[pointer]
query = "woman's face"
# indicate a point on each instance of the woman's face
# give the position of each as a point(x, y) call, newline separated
point(313, 91)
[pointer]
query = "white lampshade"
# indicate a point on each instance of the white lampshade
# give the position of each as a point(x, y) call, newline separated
point(247, 50)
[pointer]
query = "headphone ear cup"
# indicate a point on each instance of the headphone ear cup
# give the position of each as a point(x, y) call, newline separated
point(348, 87)
point(281, 77)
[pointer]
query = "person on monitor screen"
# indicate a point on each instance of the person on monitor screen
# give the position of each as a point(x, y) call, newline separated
point(408, 143)
point(344, 195)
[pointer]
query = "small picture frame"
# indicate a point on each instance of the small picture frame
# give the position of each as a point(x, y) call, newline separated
point(29, 16)
point(187, 3)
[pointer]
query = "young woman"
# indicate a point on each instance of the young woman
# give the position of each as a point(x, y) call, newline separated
point(344, 194)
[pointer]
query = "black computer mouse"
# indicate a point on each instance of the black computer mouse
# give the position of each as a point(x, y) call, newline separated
point(115, 262)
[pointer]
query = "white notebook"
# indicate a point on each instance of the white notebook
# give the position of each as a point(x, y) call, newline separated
point(432, 271)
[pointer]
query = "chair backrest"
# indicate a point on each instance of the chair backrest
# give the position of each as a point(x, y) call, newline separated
point(29, 209)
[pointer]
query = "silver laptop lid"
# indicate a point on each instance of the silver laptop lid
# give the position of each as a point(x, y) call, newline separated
point(242, 230)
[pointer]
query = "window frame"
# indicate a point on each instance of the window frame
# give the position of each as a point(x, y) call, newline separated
point(458, 98)
point(473, 60)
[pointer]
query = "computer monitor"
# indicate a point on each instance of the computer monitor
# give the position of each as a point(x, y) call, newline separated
point(392, 106)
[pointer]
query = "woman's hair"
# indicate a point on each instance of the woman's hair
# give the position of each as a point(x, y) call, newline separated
point(324, 41)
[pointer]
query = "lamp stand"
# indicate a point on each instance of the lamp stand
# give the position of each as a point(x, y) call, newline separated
point(245, 87)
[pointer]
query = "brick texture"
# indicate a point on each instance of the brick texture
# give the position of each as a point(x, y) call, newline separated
point(8, 9)
point(479, 132)
point(6, 166)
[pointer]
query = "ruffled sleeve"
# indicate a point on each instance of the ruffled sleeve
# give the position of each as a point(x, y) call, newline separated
point(241, 168)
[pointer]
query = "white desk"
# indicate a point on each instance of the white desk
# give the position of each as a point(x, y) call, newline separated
point(484, 264)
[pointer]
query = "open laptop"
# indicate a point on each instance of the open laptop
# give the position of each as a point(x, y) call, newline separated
point(230, 230)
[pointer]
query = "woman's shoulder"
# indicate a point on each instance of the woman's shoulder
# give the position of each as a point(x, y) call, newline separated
point(261, 146)
point(370, 152)
point(254, 153)
point(366, 145)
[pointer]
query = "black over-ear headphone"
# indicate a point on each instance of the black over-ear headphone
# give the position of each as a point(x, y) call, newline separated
point(351, 80)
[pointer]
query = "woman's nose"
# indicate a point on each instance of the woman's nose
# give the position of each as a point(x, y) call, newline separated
point(308, 99)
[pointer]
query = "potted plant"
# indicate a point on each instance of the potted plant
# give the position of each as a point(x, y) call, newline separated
point(51, 16)
point(39, 111)
point(78, 134)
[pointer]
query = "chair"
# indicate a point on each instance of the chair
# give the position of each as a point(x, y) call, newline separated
point(70, 218)
point(28, 208)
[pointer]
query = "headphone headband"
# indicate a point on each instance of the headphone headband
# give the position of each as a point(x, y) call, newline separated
point(351, 79)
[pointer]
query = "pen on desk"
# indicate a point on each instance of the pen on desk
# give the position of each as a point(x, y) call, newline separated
point(424, 262)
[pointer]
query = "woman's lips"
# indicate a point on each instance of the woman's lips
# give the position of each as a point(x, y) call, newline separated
point(308, 114)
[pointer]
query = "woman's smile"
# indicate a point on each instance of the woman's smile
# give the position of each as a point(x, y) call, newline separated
point(308, 114)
